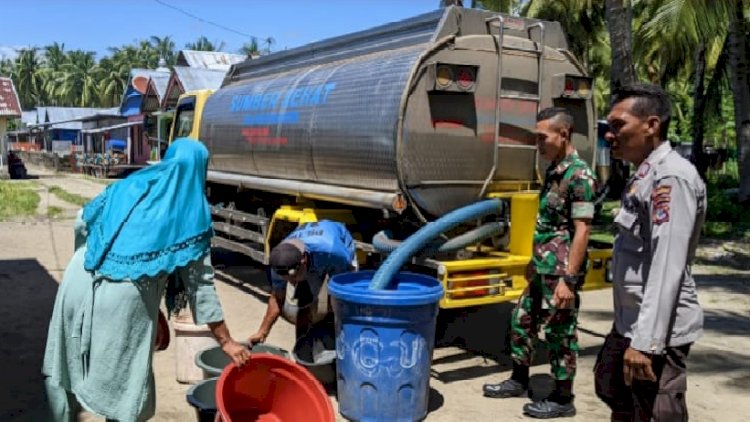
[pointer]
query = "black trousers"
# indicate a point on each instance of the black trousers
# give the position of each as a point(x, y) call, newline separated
point(643, 401)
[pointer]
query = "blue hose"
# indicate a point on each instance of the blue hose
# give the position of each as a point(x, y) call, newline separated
point(428, 233)
point(383, 243)
point(472, 237)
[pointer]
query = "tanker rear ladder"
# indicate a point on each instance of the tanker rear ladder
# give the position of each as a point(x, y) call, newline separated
point(539, 53)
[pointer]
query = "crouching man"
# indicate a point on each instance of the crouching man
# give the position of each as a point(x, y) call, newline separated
point(300, 267)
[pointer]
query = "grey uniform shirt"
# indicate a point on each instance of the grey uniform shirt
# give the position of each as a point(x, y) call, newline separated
point(659, 223)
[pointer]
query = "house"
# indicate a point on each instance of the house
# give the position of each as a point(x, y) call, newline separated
point(155, 122)
point(215, 60)
point(10, 108)
point(29, 136)
point(151, 95)
point(185, 79)
point(131, 108)
point(195, 70)
point(63, 126)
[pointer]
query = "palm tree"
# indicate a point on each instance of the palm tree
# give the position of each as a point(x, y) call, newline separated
point(54, 55)
point(619, 15)
point(739, 65)
point(503, 6)
point(131, 55)
point(112, 76)
point(6, 67)
point(682, 34)
point(680, 90)
point(583, 23)
point(203, 44)
point(54, 59)
point(143, 55)
point(165, 47)
point(28, 78)
point(76, 82)
point(713, 36)
point(148, 56)
point(269, 41)
point(251, 48)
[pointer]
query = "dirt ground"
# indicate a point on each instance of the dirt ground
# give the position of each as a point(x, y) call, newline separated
point(34, 252)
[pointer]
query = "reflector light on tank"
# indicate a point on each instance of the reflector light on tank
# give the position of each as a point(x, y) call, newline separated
point(466, 78)
point(444, 76)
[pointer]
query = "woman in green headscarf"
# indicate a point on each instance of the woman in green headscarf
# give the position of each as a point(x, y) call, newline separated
point(129, 241)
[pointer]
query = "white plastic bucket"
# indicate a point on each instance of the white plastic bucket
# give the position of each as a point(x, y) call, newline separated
point(190, 339)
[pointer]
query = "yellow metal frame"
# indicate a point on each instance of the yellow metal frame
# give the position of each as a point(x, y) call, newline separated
point(502, 275)
point(506, 270)
point(503, 278)
point(201, 96)
point(597, 277)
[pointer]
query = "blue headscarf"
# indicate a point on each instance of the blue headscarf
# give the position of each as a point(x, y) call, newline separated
point(154, 221)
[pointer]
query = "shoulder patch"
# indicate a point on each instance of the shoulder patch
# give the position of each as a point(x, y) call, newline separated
point(643, 169)
point(661, 197)
point(661, 215)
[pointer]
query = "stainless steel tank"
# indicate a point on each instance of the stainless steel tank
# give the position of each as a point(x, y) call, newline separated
point(406, 110)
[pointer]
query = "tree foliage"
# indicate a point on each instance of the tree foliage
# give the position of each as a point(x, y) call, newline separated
point(53, 75)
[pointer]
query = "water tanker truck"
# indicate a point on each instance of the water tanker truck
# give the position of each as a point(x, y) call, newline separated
point(390, 128)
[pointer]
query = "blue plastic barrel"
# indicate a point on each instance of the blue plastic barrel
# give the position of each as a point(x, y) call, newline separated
point(384, 342)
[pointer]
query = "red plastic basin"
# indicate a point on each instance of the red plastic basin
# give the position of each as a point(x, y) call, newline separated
point(270, 388)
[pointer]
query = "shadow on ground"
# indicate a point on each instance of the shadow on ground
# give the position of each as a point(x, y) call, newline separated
point(733, 283)
point(242, 273)
point(25, 310)
point(734, 367)
point(482, 332)
point(435, 400)
point(724, 253)
point(706, 358)
point(724, 322)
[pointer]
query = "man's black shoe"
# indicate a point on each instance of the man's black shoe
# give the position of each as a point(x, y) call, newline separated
point(547, 409)
point(505, 389)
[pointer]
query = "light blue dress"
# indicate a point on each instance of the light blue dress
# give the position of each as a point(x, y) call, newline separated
point(128, 239)
point(101, 338)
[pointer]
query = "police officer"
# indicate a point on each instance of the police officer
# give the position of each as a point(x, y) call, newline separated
point(640, 372)
point(556, 271)
point(300, 266)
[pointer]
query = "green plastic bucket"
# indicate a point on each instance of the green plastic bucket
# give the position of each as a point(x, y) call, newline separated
point(213, 360)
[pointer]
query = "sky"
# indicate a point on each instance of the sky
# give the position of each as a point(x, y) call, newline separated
point(95, 25)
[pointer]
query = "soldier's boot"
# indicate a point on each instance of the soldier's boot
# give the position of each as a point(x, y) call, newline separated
point(548, 409)
point(505, 389)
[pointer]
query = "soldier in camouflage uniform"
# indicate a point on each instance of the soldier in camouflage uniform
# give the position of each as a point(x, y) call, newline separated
point(556, 271)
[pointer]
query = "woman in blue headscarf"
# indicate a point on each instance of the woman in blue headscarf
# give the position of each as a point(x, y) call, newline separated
point(129, 241)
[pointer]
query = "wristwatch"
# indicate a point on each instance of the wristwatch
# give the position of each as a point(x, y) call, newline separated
point(571, 279)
